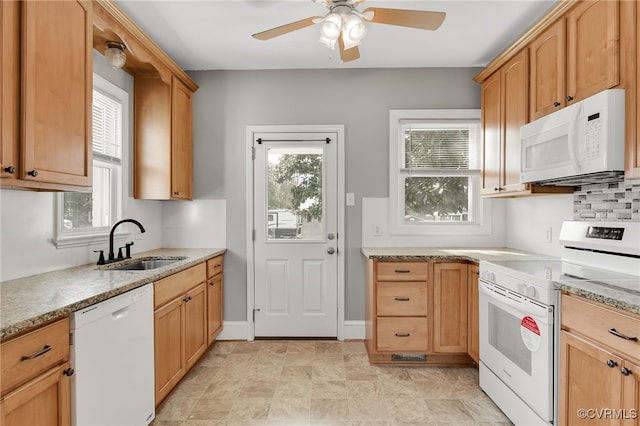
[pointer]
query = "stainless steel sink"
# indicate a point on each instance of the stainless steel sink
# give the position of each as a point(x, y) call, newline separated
point(145, 263)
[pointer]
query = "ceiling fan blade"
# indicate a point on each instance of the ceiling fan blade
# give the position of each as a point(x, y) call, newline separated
point(348, 55)
point(287, 28)
point(420, 19)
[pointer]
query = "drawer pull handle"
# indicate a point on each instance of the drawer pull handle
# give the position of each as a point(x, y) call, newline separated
point(403, 271)
point(41, 352)
point(622, 336)
point(403, 334)
point(611, 363)
point(402, 299)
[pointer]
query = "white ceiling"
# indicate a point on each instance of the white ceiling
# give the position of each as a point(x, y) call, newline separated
point(216, 34)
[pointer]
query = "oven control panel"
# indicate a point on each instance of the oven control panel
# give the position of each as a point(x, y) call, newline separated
point(605, 233)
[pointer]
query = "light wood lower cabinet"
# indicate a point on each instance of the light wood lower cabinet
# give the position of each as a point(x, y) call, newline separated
point(473, 314)
point(599, 371)
point(180, 326)
point(215, 298)
point(35, 377)
point(416, 312)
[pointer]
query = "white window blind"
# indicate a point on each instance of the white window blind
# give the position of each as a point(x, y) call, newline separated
point(107, 127)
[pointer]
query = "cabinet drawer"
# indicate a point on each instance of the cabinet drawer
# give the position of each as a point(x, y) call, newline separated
point(595, 321)
point(401, 271)
point(214, 266)
point(401, 299)
point(177, 284)
point(29, 355)
point(402, 334)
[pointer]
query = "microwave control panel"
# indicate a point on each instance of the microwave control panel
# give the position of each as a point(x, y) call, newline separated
point(593, 137)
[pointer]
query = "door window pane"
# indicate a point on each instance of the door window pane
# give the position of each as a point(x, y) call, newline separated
point(295, 194)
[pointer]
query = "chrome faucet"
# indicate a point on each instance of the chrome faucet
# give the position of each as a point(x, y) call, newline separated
point(113, 228)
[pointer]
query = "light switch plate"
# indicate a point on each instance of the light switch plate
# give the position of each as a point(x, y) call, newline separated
point(351, 199)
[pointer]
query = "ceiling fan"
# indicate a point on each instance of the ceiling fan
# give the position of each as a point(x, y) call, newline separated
point(344, 24)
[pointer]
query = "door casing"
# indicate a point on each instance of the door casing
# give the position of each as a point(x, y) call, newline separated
point(251, 131)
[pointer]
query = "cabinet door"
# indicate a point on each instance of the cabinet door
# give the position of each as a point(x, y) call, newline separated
point(42, 401)
point(473, 317)
point(57, 65)
point(515, 76)
point(593, 57)
point(491, 133)
point(170, 364)
point(631, 394)
point(450, 307)
point(182, 141)
point(214, 307)
point(547, 65)
point(195, 312)
point(9, 87)
point(632, 153)
point(589, 379)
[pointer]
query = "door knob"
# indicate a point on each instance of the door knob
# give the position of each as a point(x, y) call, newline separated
point(331, 250)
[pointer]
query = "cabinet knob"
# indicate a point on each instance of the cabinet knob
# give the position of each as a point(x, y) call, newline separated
point(611, 363)
point(33, 173)
point(556, 104)
point(625, 371)
point(68, 372)
point(569, 98)
point(176, 193)
point(10, 169)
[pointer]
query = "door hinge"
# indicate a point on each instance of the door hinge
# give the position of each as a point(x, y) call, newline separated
point(254, 314)
point(253, 235)
point(253, 152)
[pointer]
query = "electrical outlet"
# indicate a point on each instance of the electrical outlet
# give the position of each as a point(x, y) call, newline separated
point(548, 235)
point(351, 199)
point(376, 229)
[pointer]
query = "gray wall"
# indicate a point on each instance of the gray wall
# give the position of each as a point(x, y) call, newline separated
point(228, 101)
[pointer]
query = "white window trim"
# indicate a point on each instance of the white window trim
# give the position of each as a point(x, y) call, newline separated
point(397, 226)
point(93, 236)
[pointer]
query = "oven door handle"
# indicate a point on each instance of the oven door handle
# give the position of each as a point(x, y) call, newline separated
point(534, 310)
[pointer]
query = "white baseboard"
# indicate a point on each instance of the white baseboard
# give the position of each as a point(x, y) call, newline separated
point(233, 330)
point(353, 330)
point(238, 330)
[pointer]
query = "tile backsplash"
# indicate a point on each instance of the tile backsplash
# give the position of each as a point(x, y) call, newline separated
point(611, 202)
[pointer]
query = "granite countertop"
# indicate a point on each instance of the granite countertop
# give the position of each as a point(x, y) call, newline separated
point(31, 301)
point(624, 294)
point(440, 253)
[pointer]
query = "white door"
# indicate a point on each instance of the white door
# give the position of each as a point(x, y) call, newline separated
point(295, 245)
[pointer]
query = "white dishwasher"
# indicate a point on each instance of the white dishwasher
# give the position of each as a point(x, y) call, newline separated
point(112, 354)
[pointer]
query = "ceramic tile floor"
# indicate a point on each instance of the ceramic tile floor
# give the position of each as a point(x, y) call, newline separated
point(321, 382)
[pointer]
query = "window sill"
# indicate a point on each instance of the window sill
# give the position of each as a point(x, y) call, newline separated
point(84, 240)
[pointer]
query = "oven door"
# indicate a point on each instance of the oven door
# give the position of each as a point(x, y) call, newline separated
point(516, 344)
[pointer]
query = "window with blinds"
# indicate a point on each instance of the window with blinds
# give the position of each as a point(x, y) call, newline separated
point(435, 169)
point(85, 213)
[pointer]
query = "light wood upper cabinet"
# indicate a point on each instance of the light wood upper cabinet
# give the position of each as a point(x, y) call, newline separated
point(576, 57)
point(593, 56)
point(631, 49)
point(547, 64)
point(504, 112)
point(9, 88)
point(53, 140)
point(163, 153)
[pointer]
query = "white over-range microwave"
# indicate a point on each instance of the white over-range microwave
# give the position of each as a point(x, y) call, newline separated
point(577, 145)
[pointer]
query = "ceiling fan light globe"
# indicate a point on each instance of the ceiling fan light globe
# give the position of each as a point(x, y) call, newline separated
point(331, 26)
point(354, 27)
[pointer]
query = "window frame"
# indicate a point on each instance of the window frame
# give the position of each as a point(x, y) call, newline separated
point(480, 209)
point(89, 236)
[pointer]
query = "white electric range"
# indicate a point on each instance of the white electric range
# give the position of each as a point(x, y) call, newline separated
point(519, 314)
